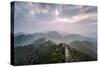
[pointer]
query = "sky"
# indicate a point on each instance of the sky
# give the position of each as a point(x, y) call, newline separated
point(65, 18)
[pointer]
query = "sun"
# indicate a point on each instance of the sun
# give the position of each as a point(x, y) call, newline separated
point(56, 12)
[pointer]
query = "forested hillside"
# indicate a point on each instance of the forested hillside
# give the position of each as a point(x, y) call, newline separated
point(44, 52)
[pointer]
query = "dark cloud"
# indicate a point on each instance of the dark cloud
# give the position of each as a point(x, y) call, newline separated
point(89, 9)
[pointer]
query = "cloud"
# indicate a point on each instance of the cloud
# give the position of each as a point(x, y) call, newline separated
point(31, 17)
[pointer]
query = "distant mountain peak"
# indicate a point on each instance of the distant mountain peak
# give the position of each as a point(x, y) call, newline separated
point(53, 32)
